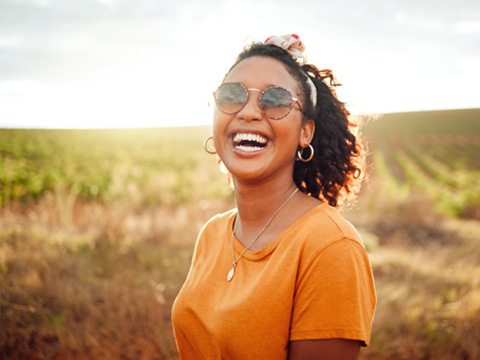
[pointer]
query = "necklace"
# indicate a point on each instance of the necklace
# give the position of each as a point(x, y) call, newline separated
point(231, 272)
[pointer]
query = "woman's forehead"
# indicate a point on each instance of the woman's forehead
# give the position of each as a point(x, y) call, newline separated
point(260, 72)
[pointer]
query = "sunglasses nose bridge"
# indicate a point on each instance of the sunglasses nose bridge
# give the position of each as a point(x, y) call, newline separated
point(256, 99)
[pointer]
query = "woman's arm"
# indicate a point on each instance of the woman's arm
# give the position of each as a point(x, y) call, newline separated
point(330, 349)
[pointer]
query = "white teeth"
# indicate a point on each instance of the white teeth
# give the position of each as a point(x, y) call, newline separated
point(248, 148)
point(249, 137)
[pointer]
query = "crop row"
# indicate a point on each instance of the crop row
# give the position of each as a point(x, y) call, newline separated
point(455, 192)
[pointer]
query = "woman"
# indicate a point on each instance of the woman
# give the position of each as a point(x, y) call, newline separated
point(283, 275)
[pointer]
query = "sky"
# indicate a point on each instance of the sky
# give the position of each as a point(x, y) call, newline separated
point(153, 63)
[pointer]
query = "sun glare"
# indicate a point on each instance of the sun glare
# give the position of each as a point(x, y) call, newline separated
point(161, 71)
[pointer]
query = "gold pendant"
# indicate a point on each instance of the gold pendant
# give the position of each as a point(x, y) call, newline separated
point(231, 273)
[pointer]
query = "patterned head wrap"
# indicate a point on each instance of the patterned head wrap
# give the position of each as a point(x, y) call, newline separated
point(292, 44)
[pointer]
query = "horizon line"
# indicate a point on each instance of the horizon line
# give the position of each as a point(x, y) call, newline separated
point(372, 114)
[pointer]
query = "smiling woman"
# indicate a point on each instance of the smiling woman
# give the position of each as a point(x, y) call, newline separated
point(284, 275)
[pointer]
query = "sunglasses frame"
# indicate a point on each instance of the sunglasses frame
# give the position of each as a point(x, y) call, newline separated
point(247, 91)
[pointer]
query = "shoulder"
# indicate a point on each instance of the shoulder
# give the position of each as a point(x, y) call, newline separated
point(214, 228)
point(323, 226)
point(219, 221)
point(330, 246)
point(217, 226)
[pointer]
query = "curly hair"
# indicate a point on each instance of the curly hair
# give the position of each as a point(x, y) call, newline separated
point(337, 168)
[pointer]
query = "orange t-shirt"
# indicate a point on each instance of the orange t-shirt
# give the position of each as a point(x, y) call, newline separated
point(314, 281)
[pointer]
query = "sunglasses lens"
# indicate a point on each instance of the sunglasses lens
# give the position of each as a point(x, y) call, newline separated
point(276, 102)
point(231, 97)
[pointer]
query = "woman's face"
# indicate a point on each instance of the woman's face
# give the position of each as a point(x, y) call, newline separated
point(278, 139)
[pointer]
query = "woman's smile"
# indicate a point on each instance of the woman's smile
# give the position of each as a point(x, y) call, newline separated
point(249, 142)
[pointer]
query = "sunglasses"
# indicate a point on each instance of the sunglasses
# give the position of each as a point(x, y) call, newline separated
point(275, 101)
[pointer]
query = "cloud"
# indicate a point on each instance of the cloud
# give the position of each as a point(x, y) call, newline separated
point(10, 41)
point(467, 27)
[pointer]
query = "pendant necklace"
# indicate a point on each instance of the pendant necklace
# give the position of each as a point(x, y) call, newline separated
point(231, 272)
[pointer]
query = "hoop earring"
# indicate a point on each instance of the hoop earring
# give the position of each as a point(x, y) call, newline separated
point(300, 154)
point(205, 145)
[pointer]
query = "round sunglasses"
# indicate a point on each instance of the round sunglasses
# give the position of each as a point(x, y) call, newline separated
point(275, 101)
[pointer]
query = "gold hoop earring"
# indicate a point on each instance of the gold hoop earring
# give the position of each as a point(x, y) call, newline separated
point(205, 145)
point(300, 154)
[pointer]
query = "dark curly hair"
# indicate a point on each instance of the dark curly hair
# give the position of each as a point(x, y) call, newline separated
point(337, 168)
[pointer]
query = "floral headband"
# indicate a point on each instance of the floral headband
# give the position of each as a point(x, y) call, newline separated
point(292, 44)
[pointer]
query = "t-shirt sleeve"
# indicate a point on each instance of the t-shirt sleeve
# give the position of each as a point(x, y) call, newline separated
point(334, 294)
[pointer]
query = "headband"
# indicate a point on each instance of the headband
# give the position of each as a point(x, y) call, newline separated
point(292, 44)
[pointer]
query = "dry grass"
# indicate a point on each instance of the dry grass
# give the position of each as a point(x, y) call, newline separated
point(85, 280)
point(95, 282)
point(427, 275)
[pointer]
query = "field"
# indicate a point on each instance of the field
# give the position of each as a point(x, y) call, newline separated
point(97, 226)
point(421, 212)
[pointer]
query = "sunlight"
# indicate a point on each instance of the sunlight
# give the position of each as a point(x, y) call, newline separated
point(151, 71)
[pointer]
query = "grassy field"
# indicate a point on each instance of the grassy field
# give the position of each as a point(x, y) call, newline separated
point(148, 166)
point(96, 233)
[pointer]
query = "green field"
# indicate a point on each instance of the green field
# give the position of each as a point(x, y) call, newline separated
point(97, 227)
point(105, 165)
point(436, 152)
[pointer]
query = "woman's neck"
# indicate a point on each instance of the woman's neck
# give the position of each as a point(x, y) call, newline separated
point(256, 203)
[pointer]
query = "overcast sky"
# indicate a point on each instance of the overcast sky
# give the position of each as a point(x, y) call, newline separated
point(125, 63)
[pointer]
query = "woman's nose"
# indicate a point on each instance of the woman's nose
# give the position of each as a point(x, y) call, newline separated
point(251, 111)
